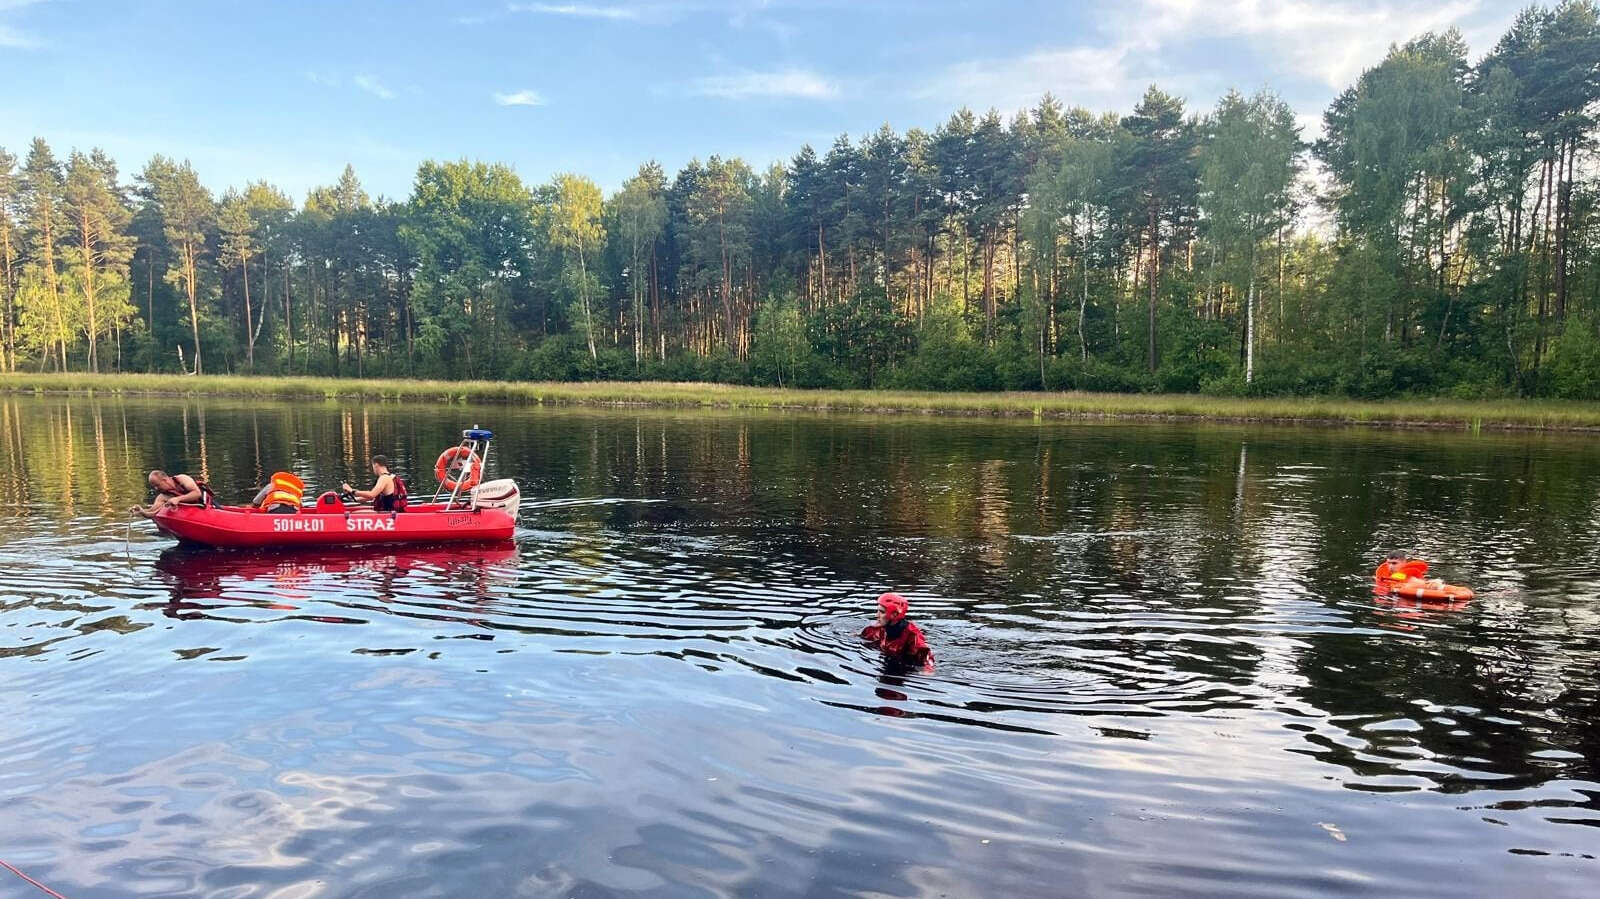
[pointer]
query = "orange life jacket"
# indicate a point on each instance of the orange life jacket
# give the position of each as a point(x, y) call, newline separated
point(1405, 571)
point(287, 490)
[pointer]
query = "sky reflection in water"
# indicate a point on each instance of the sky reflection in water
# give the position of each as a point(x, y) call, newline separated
point(1162, 670)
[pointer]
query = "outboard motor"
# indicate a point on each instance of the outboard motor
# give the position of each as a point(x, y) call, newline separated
point(500, 494)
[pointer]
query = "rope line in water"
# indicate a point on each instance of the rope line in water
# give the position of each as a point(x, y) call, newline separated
point(13, 869)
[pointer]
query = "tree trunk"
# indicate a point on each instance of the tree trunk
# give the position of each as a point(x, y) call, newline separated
point(822, 260)
point(988, 250)
point(730, 337)
point(150, 306)
point(638, 303)
point(85, 230)
point(1283, 324)
point(261, 316)
point(1563, 225)
point(190, 271)
point(335, 319)
point(51, 280)
point(288, 314)
point(8, 352)
point(411, 336)
point(583, 294)
point(250, 337)
point(1154, 276)
point(1250, 322)
point(655, 302)
point(1083, 299)
point(1548, 190)
point(358, 337)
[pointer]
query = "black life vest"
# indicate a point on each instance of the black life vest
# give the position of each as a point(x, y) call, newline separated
point(208, 500)
point(395, 500)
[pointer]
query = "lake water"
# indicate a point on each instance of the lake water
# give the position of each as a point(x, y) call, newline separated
point(1162, 670)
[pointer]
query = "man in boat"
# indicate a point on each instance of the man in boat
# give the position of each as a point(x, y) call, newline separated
point(175, 490)
point(388, 493)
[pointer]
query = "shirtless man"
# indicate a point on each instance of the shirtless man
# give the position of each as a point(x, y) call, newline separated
point(174, 490)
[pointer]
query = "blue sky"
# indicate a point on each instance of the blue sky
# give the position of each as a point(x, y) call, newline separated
point(291, 91)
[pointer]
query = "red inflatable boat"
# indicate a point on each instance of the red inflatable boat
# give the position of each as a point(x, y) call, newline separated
point(333, 524)
point(463, 510)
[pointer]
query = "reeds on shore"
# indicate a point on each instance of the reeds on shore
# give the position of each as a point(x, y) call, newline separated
point(1445, 413)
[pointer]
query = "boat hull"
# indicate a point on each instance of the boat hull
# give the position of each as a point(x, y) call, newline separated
point(234, 527)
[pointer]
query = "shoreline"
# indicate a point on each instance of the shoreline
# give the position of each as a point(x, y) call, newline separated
point(1433, 414)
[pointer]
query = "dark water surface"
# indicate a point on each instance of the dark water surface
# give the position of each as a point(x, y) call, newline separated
point(1161, 667)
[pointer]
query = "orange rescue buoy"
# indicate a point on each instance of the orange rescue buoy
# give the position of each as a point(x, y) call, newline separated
point(458, 468)
point(1430, 593)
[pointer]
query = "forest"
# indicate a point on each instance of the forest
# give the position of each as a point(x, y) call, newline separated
point(1441, 237)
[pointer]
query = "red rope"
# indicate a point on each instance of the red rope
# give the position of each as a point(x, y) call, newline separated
point(12, 868)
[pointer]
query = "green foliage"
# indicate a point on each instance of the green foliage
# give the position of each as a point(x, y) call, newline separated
point(470, 229)
point(947, 358)
point(781, 354)
point(1573, 372)
point(1455, 251)
point(861, 336)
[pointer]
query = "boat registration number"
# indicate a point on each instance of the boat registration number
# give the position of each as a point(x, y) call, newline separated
point(296, 523)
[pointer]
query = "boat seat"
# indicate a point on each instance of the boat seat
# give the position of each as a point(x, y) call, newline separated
point(330, 502)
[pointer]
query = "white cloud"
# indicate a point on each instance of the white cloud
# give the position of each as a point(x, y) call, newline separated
point(363, 82)
point(13, 37)
point(789, 83)
point(576, 10)
point(1198, 48)
point(1095, 77)
point(519, 98)
point(373, 86)
point(1331, 41)
point(18, 40)
point(1310, 124)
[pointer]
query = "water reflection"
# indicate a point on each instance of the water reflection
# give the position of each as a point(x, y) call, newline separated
point(204, 582)
point(1161, 664)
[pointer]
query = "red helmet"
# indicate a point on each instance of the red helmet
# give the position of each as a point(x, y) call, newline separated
point(894, 606)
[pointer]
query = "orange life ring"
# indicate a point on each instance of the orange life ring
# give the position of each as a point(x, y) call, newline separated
point(458, 468)
point(1427, 593)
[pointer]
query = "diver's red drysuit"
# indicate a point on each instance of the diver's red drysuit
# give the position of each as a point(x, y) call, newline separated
point(899, 639)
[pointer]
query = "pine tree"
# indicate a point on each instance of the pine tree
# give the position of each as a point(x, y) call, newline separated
point(9, 248)
point(1159, 169)
point(238, 232)
point(641, 215)
point(188, 217)
point(41, 196)
point(99, 216)
point(1247, 173)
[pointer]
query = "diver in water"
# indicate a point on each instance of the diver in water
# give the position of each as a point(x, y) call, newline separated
point(898, 636)
point(1398, 570)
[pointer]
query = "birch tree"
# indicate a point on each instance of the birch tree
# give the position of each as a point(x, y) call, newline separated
point(1248, 168)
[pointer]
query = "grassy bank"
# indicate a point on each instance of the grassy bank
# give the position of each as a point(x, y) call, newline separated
point(1464, 414)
